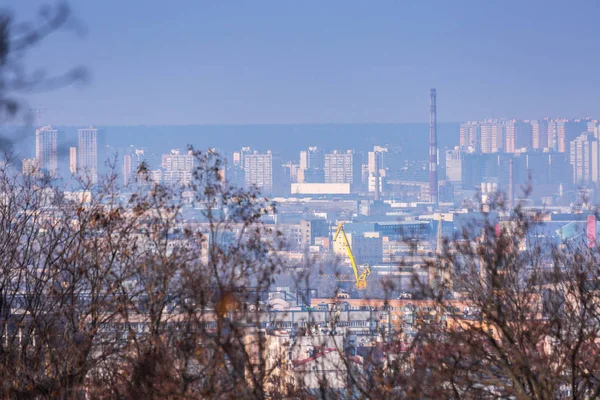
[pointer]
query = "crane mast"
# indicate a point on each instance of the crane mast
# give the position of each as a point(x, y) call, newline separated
point(361, 279)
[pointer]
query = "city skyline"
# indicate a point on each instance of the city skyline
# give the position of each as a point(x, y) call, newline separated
point(560, 156)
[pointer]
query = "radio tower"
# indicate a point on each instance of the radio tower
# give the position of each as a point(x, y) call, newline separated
point(433, 178)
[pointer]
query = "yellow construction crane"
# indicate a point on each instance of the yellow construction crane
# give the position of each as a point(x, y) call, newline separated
point(361, 279)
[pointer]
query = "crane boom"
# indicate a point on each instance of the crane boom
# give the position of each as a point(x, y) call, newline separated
point(361, 279)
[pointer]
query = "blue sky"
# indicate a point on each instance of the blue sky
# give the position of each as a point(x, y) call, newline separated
point(235, 62)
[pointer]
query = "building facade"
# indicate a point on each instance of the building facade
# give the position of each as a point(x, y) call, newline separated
point(342, 167)
point(87, 154)
point(258, 171)
point(46, 150)
point(539, 134)
point(470, 135)
point(584, 159)
point(562, 131)
point(454, 160)
point(73, 160)
point(518, 135)
point(131, 164)
point(177, 168)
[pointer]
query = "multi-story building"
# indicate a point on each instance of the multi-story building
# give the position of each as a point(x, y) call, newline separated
point(518, 135)
point(376, 171)
point(297, 236)
point(454, 160)
point(311, 158)
point(311, 166)
point(258, 171)
point(307, 361)
point(376, 161)
point(492, 134)
point(584, 159)
point(592, 126)
point(495, 135)
point(46, 150)
point(73, 160)
point(238, 157)
point(342, 167)
point(127, 175)
point(539, 134)
point(87, 154)
point(562, 131)
point(177, 168)
point(470, 135)
point(131, 164)
point(290, 173)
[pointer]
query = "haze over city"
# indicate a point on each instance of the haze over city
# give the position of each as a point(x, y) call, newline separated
point(299, 200)
point(197, 62)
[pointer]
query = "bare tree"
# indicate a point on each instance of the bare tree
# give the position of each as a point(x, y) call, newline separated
point(529, 328)
point(17, 41)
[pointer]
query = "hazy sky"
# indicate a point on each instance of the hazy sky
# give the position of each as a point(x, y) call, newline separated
point(213, 62)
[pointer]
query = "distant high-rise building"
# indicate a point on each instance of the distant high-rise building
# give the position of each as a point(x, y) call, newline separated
point(127, 170)
point(46, 150)
point(454, 159)
point(393, 162)
point(177, 168)
point(470, 135)
point(485, 137)
point(238, 157)
point(87, 154)
point(584, 159)
point(553, 135)
point(518, 135)
point(311, 175)
point(131, 164)
point(376, 160)
point(496, 136)
point(311, 166)
point(290, 172)
point(342, 167)
point(563, 131)
point(73, 160)
point(592, 126)
point(375, 170)
point(258, 171)
point(539, 134)
point(311, 158)
point(492, 136)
